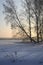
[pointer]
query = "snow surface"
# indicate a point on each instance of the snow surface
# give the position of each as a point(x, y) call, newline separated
point(13, 53)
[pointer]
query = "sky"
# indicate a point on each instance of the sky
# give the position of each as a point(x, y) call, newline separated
point(5, 31)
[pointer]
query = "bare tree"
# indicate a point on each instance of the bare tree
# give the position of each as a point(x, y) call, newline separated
point(28, 13)
point(34, 9)
point(28, 4)
point(12, 16)
point(38, 11)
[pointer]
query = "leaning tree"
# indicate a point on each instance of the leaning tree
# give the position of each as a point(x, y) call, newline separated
point(11, 16)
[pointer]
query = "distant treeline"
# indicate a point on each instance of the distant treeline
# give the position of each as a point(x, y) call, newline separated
point(11, 38)
point(24, 39)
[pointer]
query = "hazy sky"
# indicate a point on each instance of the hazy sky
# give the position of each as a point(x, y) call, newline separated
point(5, 30)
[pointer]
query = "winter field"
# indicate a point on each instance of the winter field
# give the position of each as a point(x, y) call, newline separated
point(16, 53)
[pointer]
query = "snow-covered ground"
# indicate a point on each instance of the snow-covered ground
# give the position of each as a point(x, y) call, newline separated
point(13, 53)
